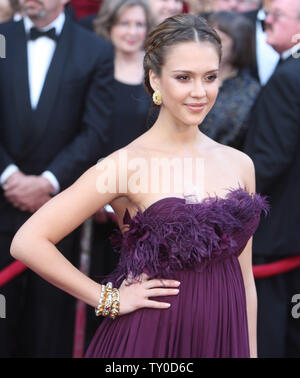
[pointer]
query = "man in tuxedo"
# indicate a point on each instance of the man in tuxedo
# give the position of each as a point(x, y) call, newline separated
point(55, 99)
point(273, 142)
point(266, 57)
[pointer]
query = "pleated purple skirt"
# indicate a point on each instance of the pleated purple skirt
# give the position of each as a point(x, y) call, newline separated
point(206, 319)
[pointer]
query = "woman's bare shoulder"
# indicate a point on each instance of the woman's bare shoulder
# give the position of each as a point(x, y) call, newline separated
point(238, 162)
point(244, 166)
point(237, 157)
point(141, 147)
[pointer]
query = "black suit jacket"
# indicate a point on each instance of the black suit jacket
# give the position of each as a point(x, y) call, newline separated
point(273, 142)
point(67, 131)
point(88, 21)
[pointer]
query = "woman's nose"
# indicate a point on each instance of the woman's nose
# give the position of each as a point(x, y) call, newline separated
point(198, 89)
point(132, 29)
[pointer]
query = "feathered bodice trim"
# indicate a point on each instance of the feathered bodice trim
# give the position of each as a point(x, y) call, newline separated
point(173, 234)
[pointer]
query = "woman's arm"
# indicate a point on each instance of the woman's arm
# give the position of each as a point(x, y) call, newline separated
point(34, 245)
point(245, 260)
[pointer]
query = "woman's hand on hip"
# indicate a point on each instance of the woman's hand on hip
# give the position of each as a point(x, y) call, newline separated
point(136, 295)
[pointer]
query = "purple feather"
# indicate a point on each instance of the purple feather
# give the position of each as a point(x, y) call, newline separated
point(172, 234)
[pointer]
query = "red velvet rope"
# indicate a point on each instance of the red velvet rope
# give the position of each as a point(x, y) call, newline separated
point(277, 267)
point(11, 271)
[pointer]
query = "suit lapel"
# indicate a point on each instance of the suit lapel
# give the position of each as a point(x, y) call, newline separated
point(52, 84)
point(284, 61)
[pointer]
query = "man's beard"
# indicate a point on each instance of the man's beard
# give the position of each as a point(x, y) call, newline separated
point(35, 14)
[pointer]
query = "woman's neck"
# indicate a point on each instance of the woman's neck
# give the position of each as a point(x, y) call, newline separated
point(128, 58)
point(170, 132)
point(129, 67)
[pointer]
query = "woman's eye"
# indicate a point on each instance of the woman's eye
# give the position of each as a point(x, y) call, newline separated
point(211, 77)
point(182, 77)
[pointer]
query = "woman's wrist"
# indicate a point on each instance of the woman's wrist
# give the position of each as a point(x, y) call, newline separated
point(109, 302)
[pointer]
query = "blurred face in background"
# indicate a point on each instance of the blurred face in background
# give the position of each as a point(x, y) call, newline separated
point(5, 11)
point(199, 6)
point(162, 9)
point(129, 32)
point(44, 11)
point(267, 4)
point(283, 24)
point(236, 5)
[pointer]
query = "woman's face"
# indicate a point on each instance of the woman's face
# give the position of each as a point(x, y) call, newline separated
point(188, 81)
point(227, 46)
point(5, 11)
point(199, 6)
point(236, 5)
point(162, 9)
point(129, 32)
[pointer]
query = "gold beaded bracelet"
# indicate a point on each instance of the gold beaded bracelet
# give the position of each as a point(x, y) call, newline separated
point(100, 307)
point(108, 300)
point(115, 307)
point(109, 303)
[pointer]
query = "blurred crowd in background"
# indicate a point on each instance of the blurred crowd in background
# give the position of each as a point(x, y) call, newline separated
point(98, 104)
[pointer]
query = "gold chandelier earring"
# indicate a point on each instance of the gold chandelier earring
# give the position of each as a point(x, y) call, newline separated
point(157, 98)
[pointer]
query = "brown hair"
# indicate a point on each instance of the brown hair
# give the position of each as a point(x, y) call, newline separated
point(241, 31)
point(110, 12)
point(174, 30)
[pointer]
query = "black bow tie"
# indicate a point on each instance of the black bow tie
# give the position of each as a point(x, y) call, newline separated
point(263, 25)
point(36, 33)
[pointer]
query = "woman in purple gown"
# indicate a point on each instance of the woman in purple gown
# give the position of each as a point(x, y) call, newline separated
point(187, 209)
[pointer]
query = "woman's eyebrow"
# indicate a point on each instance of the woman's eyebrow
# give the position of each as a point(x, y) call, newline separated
point(191, 72)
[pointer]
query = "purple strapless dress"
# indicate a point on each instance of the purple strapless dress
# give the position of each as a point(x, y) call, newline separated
point(197, 244)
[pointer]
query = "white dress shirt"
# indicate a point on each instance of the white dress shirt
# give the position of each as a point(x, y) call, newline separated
point(39, 54)
point(295, 51)
point(17, 17)
point(267, 58)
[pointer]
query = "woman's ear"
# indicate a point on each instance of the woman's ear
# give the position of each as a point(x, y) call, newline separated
point(154, 81)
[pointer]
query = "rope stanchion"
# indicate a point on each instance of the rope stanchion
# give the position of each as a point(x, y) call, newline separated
point(11, 271)
point(277, 267)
